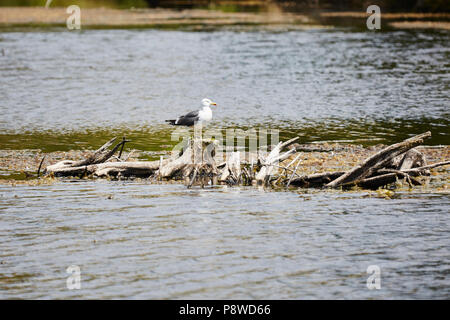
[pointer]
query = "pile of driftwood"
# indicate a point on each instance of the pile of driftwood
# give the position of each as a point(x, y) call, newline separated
point(195, 164)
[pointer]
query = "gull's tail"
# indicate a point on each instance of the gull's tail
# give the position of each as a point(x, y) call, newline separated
point(172, 122)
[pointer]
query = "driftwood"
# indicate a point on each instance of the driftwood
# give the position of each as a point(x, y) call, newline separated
point(96, 165)
point(99, 156)
point(137, 168)
point(173, 167)
point(383, 180)
point(231, 173)
point(196, 165)
point(378, 161)
point(316, 180)
point(431, 166)
point(274, 157)
point(125, 169)
point(398, 161)
point(411, 159)
point(295, 169)
point(204, 169)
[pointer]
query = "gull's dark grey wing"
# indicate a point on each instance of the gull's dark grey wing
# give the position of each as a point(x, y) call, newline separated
point(189, 119)
point(192, 114)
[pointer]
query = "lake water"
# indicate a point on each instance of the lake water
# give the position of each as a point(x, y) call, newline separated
point(64, 90)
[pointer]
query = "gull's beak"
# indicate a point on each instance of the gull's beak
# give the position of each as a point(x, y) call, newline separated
point(213, 104)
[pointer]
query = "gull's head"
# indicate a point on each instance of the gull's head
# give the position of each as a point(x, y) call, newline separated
point(207, 103)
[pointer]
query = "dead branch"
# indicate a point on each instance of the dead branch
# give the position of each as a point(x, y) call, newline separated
point(99, 156)
point(295, 169)
point(274, 156)
point(40, 165)
point(197, 166)
point(231, 173)
point(419, 170)
point(378, 160)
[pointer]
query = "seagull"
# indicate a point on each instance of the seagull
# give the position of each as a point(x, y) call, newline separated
point(191, 118)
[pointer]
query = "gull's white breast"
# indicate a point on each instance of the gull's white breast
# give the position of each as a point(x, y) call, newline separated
point(205, 114)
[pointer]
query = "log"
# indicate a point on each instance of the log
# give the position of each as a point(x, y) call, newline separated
point(316, 180)
point(381, 181)
point(126, 169)
point(95, 164)
point(173, 167)
point(378, 160)
point(138, 168)
point(99, 156)
point(374, 182)
point(197, 160)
